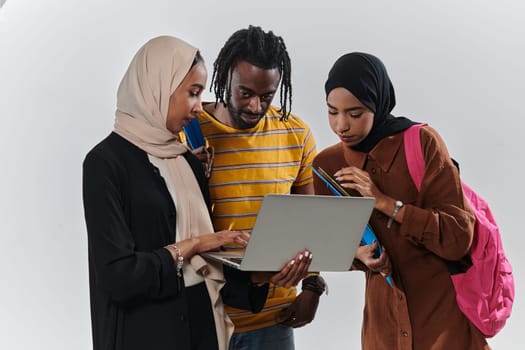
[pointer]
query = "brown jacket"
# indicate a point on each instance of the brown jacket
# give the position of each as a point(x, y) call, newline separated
point(420, 312)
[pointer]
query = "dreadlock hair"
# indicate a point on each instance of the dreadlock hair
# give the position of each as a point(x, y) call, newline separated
point(264, 50)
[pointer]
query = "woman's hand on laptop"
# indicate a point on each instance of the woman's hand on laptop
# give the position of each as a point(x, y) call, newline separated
point(187, 248)
point(291, 273)
point(212, 242)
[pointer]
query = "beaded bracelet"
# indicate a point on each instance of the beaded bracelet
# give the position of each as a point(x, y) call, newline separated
point(180, 258)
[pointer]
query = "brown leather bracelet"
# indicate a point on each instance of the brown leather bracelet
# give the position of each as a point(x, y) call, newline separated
point(315, 284)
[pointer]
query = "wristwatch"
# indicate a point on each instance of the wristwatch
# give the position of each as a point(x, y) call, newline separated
point(397, 206)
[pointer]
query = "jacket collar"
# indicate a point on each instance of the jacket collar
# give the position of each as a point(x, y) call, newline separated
point(383, 153)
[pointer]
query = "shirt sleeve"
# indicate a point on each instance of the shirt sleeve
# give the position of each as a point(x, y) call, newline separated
point(442, 220)
point(120, 271)
point(309, 152)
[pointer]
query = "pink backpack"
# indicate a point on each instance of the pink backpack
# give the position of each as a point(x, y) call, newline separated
point(485, 292)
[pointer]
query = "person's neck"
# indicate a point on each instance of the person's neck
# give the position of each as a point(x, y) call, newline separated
point(219, 112)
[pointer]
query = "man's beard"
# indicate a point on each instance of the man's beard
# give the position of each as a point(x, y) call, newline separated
point(238, 121)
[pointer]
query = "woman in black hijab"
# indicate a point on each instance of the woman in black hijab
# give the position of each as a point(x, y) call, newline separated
point(366, 78)
point(418, 229)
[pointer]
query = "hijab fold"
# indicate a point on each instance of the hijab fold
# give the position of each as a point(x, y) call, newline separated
point(143, 96)
point(365, 76)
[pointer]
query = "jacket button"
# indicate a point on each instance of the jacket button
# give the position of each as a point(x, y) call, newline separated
point(404, 334)
point(373, 170)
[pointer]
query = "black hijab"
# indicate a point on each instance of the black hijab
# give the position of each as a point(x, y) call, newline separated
point(366, 78)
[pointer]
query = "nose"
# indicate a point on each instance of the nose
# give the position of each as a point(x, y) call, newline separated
point(197, 108)
point(255, 106)
point(341, 124)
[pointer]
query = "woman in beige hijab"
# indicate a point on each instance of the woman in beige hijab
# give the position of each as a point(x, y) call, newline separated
point(145, 201)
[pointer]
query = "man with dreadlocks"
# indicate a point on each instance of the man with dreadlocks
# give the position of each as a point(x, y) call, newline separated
point(258, 149)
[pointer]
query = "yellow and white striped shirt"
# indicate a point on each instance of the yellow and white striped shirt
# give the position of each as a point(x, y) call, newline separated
point(271, 157)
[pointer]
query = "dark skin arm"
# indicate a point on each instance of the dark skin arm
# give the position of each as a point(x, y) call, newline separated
point(302, 311)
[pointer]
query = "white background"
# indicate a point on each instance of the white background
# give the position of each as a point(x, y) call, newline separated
point(457, 65)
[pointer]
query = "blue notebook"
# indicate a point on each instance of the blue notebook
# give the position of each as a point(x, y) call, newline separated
point(193, 134)
point(368, 236)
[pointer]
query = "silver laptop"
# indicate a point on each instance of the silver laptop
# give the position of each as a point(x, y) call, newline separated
point(330, 227)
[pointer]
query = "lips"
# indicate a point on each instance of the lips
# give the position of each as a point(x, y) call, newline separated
point(348, 138)
point(251, 117)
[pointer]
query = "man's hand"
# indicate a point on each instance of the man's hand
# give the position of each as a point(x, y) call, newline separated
point(301, 311)
point(291, 273)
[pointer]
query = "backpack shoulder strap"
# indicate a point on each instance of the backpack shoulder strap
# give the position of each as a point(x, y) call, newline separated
point(414, 154)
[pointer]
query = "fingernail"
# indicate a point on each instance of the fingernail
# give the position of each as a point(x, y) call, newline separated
point(306, 254)
point(292, 262)
point(311, 256)
point(300, 257)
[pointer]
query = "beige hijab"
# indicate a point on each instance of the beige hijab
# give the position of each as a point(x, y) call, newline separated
point(143, 96)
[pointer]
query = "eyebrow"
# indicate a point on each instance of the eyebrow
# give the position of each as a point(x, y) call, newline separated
point(347, 109)
point(197, 86)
